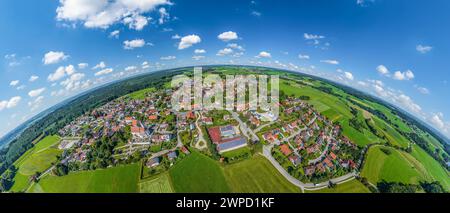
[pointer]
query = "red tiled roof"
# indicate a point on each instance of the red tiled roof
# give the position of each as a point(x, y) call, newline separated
point(214, 134)
point(285, 149)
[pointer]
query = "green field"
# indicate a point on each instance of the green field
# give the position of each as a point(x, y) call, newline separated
point(37, 159)
point(198, 173)
point(398, 166)
point(159, 184)
point(121, 179)
point(141, 94)
point(257, 175)
point(352, 186)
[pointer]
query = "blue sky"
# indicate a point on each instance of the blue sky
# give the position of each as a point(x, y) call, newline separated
point(396, 50)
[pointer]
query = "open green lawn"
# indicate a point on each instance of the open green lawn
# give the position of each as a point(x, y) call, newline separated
point(352, 186)
point(257, 175)
point(121, 179)
point(198, 173)
point(398, 166)
point(433, 167)
point(37, 159)
point(141, 94)
point(159, 184)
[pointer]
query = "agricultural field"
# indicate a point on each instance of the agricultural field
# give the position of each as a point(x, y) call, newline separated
point(198, 173)
point(158, 184)
point(352, 186)
point(121, 179)
point(384, 163)
point(257, 175)
point(37, 159)
point(141, 94)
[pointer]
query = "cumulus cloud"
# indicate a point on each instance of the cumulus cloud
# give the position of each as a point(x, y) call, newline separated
point(264, 54)
point(163, 15)
point(176, 37)
point(188, 41)
point(349, 76)
point(199, 51)
point(334, 62)
point(198, 57)
point(407, 75)
point(131, 44)
point(224, 52)
point(130, 68)
point(100, 65)
point(73, 82)
point(61, 72)
point(236, 46)
point(33, 78)
point(423, 90)
point(383, 70)
point(11, 103)
point(104, 72)
point(228, 36)
point(104, 13)
point(423, 48)
point(114, 34)
point(306, 57)
point(54, 57)
point(36, 92)
point(14, 83)
point(312, 36)
point(136, 22)
point(83, 65)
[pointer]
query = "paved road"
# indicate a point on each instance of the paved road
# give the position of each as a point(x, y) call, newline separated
point(244, 128)
point(303, 186)
point(262, 126)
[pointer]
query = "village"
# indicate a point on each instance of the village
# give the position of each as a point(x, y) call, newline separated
point(305, 143)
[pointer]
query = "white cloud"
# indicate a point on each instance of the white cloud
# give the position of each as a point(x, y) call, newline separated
point(423, 90)
point(188, 41)
point(54, 57)
point(36, 103)
point(349, 76)
point(408, 75)
point(423, 48)
point(163, 15)
point(14, 83)
point(83, 65)
point(11, 103)
point(176, 37)
point(36, 92)
point(130, 68)
point(73, 82)
point(264, 54)
point(104, 72)
point(334, 62)
point(136, 43)
point(224, 52)
point(33, 78)
point(114, 34)
point(200, 51)
point(136, 22)
point(100, 65)
point(256, 13)
point(228, 36)
point(236, 46)
point(104, 13)
point(168, 58)
point(61, 72)
point(312, 36)
point(382, 70)
point(300, 56)
point(198, 57)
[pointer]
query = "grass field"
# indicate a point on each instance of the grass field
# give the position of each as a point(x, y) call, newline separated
point(159, 184)
point(257, 175)
point(352, 186)
point(37, 159)
point(398, 166)
point(121, 179)
point(198, 173)
point(141, 94)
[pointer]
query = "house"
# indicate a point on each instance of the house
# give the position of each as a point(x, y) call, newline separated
point(185, 150)
point(231, 144)
point(207, 120)
point(214, 134)
point(333, 156)
point(295, 160)
point(190, 115)
point(152, 162)
point(153, 117)
point(172, 155)
point(285, 149)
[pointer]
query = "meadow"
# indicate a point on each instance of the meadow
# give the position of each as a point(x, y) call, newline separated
point(121, 179)
point(198, 173)
point(257, 175)
point(159, 184)
point(352, 186)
